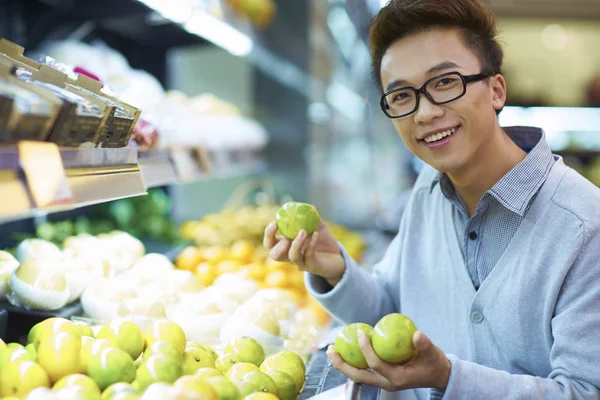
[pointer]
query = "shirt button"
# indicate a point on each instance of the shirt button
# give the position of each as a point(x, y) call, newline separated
point(476, 317)
point(472, 235)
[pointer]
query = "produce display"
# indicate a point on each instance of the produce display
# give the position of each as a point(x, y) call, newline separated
point(145, 217)
point(248, 223)
point(223, 321)
point(66, 359)
point(42, 276)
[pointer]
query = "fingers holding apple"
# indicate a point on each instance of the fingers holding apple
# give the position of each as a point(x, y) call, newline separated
point(396, 356)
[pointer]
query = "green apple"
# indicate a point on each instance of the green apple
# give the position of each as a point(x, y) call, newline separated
point(288, 362)
point(262, 381)
point(286, 386)
point(31, 349)
point(237, 371)
point(157, 368)
point(116, 388)
point(126, 396)
point(392, 339)
point(211, 352)
point(206, 348)
point(346, 344)
point(11, 354)
point(77, 380)
point(110, 366)
point(246, 388)
point(248, 349)
point(226, 390)
point(205, 373)
point(90, 346)
point(50, 326)
point(292, 217)
point(85, 329)
point(226, 361)
point(76, 392)
point(124, 335)
point(195, 358)
point(164, 348)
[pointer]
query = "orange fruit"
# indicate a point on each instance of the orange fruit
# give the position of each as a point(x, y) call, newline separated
point(242, 251)
point(225, 267)
point(214, 254)
point(272, 265)
point(255, 271)
point(206, 273)
point(277, 279)
point(188, 259)
point(296, 279)
point(300, 296)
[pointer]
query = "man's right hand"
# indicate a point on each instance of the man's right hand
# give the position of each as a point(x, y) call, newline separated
point(318, 254)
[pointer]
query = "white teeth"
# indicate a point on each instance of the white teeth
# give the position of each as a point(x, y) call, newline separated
point(438, 136)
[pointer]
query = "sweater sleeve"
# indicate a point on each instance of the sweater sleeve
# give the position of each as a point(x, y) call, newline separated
point(575, 352)
point(360, 296)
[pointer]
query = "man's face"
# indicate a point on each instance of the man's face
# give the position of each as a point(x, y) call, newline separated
point(410, 62)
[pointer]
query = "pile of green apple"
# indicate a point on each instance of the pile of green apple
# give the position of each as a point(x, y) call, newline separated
point(65, 359)
point(391, 339)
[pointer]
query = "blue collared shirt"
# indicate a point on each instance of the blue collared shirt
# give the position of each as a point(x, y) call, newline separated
point(531, 330)
point(485, 236)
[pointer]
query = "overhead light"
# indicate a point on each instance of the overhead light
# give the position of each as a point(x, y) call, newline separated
point(203, 24)
point(343, 30)
point(220, 33)
point(555, 37)
point(319, 113)
point(346, 101)
point(177, 11)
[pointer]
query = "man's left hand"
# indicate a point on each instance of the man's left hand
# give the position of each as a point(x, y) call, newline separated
point(429, 369)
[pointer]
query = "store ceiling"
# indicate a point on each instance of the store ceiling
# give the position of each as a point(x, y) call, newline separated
point(560, 9)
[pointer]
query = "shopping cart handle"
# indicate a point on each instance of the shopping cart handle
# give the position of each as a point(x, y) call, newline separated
point(359, 391)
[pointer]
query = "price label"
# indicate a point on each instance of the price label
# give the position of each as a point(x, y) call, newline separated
point(45, 174)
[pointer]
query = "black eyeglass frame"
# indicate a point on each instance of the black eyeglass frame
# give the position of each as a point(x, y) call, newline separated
point(466, 79)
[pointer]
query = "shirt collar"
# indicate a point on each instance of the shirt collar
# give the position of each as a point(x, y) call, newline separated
point(516, 189)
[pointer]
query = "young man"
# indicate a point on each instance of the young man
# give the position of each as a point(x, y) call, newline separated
point(497, 259)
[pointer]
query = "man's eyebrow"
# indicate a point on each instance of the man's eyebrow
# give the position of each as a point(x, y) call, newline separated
point(442, 66)
point(439, 67)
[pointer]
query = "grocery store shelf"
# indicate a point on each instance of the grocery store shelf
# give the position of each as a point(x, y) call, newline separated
point(101, 175)
point(20, 320)
point(39, 177)
point(157, 167)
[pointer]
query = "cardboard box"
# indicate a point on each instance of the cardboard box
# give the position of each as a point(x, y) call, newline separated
point(120, 124)
point(121, 117)
point(27, 112)
point(84, 124)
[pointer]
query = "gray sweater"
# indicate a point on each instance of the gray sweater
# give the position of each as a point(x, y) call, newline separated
point(532, 330)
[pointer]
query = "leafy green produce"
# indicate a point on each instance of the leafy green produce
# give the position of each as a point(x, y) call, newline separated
point(145, 217)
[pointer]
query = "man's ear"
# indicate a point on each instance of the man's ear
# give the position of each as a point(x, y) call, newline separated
point(498, 87)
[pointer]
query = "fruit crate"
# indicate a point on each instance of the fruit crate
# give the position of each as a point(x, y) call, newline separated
point(18, 320)
point(3, 324)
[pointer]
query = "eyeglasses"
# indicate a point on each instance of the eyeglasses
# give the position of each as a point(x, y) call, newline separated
point(440, 89)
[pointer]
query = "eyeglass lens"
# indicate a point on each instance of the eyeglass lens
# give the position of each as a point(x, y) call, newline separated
point(442, 90)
